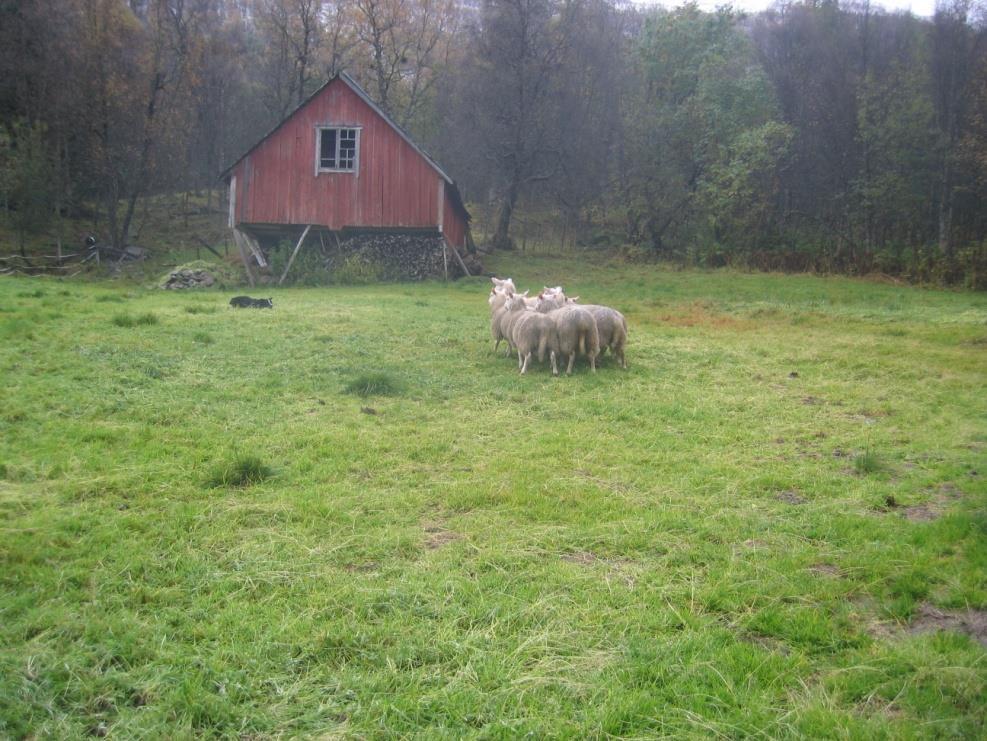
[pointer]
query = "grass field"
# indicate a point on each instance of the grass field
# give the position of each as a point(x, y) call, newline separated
point(347, 517)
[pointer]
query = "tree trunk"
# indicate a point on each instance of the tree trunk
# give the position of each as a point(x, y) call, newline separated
point(501, 238)
point(946, 214)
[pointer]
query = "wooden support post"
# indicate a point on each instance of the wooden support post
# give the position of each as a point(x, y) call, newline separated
point(205, 244)
point(244, 255)
point(295, 252)
point(461, 263)
point(254, 247)
point(445, 259)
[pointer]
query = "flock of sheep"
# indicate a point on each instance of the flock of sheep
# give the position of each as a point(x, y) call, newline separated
point(554, 323)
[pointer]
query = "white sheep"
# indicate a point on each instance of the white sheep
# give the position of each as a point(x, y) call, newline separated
point(532, 332)
point(512, 310)
point(578, 333)
point(505, 285)
point(612, 328)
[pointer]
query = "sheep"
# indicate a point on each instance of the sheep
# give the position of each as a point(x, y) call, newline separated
point(505, 286)
point(549, 302)
point(612, 328)
point(531, 333)
point(577, 333)
point(496, 299)
point(496, 317)
point(512, 310)
point(610, 323)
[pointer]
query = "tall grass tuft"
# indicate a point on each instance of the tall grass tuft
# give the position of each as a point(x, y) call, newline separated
point(375, 384)
point(129, 320)
point(242, 470)
point(867, 462)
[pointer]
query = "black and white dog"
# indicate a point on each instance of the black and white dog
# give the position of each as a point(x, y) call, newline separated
point(245, 302)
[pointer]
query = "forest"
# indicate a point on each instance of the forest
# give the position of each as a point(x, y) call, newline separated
point(814, 136)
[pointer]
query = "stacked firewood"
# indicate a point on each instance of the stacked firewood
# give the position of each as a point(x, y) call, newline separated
point(402, 256)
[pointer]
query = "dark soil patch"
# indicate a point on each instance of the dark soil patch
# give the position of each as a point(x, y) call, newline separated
point(922, 512)
point(824, 569)
point(791, 497)
point(438, 535)
point(970, 622)
point(933, 510)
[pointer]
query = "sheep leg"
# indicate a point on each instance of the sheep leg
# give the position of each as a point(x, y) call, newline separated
point(555, 368)
point(592, 363)
point(524, 367)
point(497, 344)
point(572, 360)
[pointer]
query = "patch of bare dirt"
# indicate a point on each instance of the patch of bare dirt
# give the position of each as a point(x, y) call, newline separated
point(768, 643)
point(583, 558)
point(932, 510)
point(437, 535)
point(618, 568)
point(791, 497)
point(754, 543)
point(824, 569)
point(931, 619)
point(700, 314)
point(922, 512)
point(361, 568)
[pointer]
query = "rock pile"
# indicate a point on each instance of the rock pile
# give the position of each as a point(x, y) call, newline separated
point(188, 278)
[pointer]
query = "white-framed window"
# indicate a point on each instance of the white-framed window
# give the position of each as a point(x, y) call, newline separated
point(337, 149)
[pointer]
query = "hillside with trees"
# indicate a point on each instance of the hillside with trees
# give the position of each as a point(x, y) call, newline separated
point(813, 136)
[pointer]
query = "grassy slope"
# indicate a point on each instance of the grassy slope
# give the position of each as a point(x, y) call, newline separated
point(489, 554)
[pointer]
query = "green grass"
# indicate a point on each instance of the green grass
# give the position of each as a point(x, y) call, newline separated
point(701, 545)
point(242, 470)
point(141, 320)
point(375, 384)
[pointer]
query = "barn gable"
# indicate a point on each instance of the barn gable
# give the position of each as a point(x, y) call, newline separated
point(391, 183)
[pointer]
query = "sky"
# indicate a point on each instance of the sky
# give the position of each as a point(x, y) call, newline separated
point(918, 7)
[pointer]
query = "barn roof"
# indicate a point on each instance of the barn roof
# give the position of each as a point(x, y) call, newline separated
point(355, 87)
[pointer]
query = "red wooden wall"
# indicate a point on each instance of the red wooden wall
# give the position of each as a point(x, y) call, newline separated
point(394, 186)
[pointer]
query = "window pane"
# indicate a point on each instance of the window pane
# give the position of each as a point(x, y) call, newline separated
point(347, 149)
point(327, 151)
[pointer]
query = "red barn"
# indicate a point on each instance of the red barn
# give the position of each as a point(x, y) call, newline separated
point(339, 164)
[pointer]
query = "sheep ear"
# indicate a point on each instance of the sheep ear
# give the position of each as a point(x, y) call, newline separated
point(525, 293)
